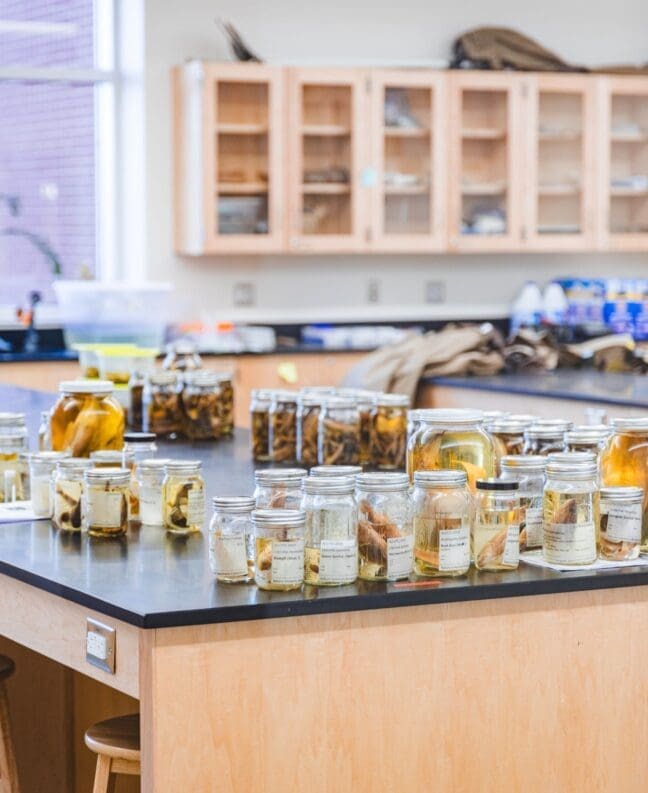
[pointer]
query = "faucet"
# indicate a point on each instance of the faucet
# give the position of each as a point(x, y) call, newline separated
point(30, 344)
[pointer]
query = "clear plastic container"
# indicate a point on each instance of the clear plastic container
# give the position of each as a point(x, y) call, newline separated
point(231, 539)
point(496, 526)
point(161, 403)
point(86, 418)
point(106, 497)
point(620, 522)
point(529, 472)
point(150, 476)
point(282, 436)
point(385, 534)
point(115, 364)
point(309, 407)
point(279, 548)
point(260, 424)
point(68, 507)
point(442, 514)
point(279, 488)
point(331, 531)
point(338, 440)
point(42, 466)
point(184, 497)
point(388, 444)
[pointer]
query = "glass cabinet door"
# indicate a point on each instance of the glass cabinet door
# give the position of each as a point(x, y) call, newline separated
point(560, 184)
point(409, 180)
point(486, 153)
point(624, 172)
point(326, 133)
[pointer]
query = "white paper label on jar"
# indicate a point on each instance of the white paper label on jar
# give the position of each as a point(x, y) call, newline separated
point(104, 508)
point(150, 506)
point(569, 543)
point(196, 507)
point(287, 561)
point(338, 562)
point(511, 553)
point(623, 521)
point(534, 523)
point(454, 549)
point(40, 496)
point(228, 554)
point(400, 556)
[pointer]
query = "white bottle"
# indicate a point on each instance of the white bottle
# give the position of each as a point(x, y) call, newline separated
point(554, 304)
point(527, 307)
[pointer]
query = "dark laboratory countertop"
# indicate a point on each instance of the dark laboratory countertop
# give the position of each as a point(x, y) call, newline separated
point(154, 581)
point(606, 388)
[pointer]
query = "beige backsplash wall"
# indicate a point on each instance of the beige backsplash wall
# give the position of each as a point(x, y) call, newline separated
point(362, 32)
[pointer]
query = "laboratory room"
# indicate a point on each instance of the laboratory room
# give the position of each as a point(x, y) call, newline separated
point(323, 396)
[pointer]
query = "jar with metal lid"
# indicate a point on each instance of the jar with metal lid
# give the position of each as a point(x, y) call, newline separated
point(309, 407)
point(336, 470)
point(184, 496)
point(571, 510)
point(138, 446)
point(67, 493)
point(41, 469)
point(161, 403)
point(282, 436)
point(620, 523)
point(231, 539)
point(106, 497)
point(587, 438)
point(181, 356)
point(624, 461)
point(544, 439)
point(14, 423)
point(529, 471)
point(278, 548)
point(339, 432)
point(260, 400)
point(331, 530)
point(441, 515)
point(142, 364)
point(86, 418)
point(200, 405)
point(44, 432)
point(389, 432)
point(278, 488)
point(365, 404)
point(508, 435)
point(496, 527)
point(149, 476)
point(494, 415)
point(385, 534)
point(23, 482)
point(11, 447)
point(226, 404)
point(110, 458)
point(452, 439)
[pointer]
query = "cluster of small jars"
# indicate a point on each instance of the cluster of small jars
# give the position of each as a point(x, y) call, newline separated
point(328, 426)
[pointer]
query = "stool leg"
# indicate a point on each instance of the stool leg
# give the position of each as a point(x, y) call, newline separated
point(104, 781)
point(8, 770)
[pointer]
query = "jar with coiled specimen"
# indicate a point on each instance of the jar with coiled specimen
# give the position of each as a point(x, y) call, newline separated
point(508, 435)
point(260, 399)
point(620, 523)
point(161, 403)
point(86, 418)
point(496, 525)
point(278, 548)
point(283, 427)
point(106, 494)
point(68, 508)
point(278, 488)
point(389, 432)
point(201, 409)
point(339, 432)
point(529, 471)
point(184, 497)
point(309, 406)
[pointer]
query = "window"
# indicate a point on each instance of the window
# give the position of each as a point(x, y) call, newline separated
point(58, 86)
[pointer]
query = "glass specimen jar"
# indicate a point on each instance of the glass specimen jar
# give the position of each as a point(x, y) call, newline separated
point(184, 497)
point(201, 405)
point(496, 526)
point(507, 435)
point(226, 403)
point(260, 423)
point(624, 461)
point(365, 403)
point(138, 446)
point(282, 436)
point(67, 493)
point(339, 432)
point(389, 432)
point(41, 469)
point(11, 447)
point(441, 515)
point(278, 548)
point(161, 403)
point(110, 458)
point(309, 406)
point(587, 438)
point(571, 511)
point(86, 418)
point(336, 470)
point(452, 439)
point(149, 477)
point(142, 365)
point(331, 531)
point(106, 496)
point(543, 440)
point(278, 488)
point(181, 356)
point(44, 433)
point(620, 522)
point(231, 539)
point(14, 423)
point(529, 471)
point(385, 534)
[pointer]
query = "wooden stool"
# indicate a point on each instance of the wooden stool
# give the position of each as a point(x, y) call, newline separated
point(8, 771)
point(117, 744)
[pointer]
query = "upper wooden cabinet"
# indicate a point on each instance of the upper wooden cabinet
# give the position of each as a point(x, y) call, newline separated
point(370, 160)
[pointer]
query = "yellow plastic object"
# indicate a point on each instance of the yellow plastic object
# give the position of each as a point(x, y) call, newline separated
point(287, 371)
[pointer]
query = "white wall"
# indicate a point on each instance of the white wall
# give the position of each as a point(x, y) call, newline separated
point(337, 31)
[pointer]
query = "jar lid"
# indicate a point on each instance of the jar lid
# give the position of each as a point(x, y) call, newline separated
point(387, 482)
point(569, 470)
point(491, 415)
point(74, 464)
point(262, 394)
point(546, 432)
point(139, 437)
point(586, 436)
point(310, 400)
point(317, 389)
point(573, 458)
point(234, 504)
point(111, 456)
point(335, 470)
point(12, 436)
point(565, 424)
point(393, 400)
point(524, 462)
point(627, 424)
point(153, 464)
point(444, 477)
point(277, 518)
point(499, 484)
point(333, 485)
point(280, 476)
point(48, 457)
point(183, 466)
point(8, 419)
point(164, 377)
point(632, 495)
point(340, 402)
point(201, 377)
point(456, 416)
point(99, 387)
point(115, 476)
point(285, 396)
point(508, 425)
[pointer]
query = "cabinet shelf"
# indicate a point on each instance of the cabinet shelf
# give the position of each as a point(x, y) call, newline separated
point(326, 188)
point(483, 133)
point(406, 132)
point(405, 190)
point(560, 137)
point(629, 137)
point(241, 129)
point(547, 190)
point(242, 188)
point(486, 189)
point(325, 130)
point(628, 192)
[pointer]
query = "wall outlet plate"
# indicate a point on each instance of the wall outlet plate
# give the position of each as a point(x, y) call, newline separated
point(435, 291)
point(101, 642)
point(244, 293)
point(373, 290)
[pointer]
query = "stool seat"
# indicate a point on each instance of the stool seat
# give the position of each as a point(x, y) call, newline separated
point(7, 667)
point(117, 738)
